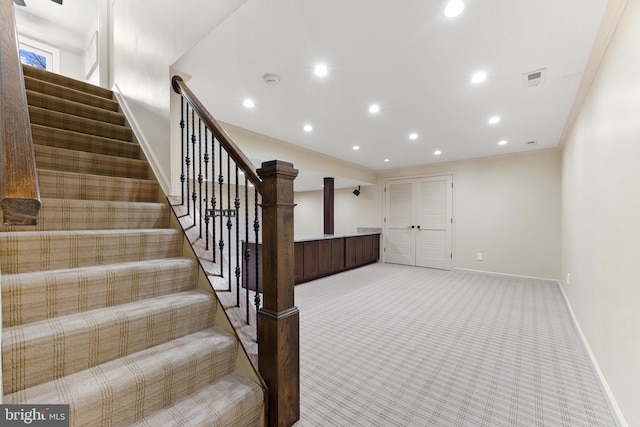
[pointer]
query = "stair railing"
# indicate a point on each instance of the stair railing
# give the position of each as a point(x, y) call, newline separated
point(19, 192)
point(222, 190)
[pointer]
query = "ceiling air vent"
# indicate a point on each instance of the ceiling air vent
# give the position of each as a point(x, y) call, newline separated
point(534, 78)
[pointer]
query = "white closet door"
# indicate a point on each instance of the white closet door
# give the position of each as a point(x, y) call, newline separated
point(433, 217)
point(399, 236)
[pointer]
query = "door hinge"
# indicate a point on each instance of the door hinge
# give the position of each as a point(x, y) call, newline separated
point(385, 220)
point(451, 255)
point(385, 189)
point(451, 220)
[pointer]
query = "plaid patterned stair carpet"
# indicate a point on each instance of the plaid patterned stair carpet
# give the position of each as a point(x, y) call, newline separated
point(99, 308)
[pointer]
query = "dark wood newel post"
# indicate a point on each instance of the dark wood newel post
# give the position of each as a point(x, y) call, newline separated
point(278, 320)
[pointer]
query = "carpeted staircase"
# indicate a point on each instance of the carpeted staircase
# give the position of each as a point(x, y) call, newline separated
point(100, 309)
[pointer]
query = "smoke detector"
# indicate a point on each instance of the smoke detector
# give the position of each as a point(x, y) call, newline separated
point(534, 78)
point(271, 79)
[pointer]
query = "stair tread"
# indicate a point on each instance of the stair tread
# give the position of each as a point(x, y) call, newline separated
point(54, 250)
point(72, 185)
point(61, 138)
point(35, 296)
point(66, 82)
point(56, 119)
point(100, 335)
point(233, 400)
point(59, 91)
point(127, 389)
point(67, 160)
point(79, 109)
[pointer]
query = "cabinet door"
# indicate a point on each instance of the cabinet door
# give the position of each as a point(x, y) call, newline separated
point(298, 262)
point(310, 260)
point(324, 257)
point(349, 252)
point(337, 255)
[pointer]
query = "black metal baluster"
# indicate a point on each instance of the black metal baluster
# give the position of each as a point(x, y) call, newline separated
point(256, 228)
point(213, 193)
point(207, 218)
point(221, 242)
point(247, 251)
point(237, 207)
point(182, 147)
point(200, 174)
point(229, 222)
point(194, 196)
point(187, 161)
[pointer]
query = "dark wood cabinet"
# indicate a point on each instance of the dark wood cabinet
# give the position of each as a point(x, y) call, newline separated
point(322, 257)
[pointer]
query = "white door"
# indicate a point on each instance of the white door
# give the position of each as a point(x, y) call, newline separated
point(418, 221)
point(433, 217)
point(399, 237)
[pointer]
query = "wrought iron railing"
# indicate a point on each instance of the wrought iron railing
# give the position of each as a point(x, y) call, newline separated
point(220, 187)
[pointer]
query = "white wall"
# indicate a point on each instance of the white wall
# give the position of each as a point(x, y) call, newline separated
point(148, 37)
point(350, 212)
point(508, 208)
point(600, 215)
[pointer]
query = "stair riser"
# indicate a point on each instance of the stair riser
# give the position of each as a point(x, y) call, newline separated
point(61, 105)
point(126, 390)
point(68, 122)
point(66, 82)
point(58, 91)
point(61, 214)
point(61, 159)
point(32, 297)
point(61, 138)
point(27, 252)
point(99, 336)
point(66, 185)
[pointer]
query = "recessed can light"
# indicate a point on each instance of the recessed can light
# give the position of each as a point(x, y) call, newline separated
point(413, 136)
point(503, 142)
point(479, 77)
point(321, 70)
point(307, 128)
point(374, 108)
point(437, 152)
point(454, 8)
point(248, 103)
point(494, 119)
point(355, 147)
point(387, 160)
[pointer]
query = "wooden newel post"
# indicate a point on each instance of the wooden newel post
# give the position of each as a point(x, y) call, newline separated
point(278, 320)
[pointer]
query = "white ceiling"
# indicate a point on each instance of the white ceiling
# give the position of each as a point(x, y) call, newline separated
point(406, 56)
point(76, 16)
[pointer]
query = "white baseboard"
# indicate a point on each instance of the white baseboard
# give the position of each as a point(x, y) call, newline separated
point(612, 401)
point(142, 140)
point(496, 274)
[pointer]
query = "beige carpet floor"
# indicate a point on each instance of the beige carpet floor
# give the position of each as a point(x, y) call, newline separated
point(388, 345)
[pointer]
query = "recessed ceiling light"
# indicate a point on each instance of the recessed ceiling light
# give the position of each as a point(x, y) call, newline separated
point(321, 70)
point(494, 119)
point(479, 77)
point(374, 108)
point(387, 160)
point(437, 152)
point(503, 142)
point(413, 136)
point(355, 147)
point(307, 128)
point(454, 8)
point(249, 103)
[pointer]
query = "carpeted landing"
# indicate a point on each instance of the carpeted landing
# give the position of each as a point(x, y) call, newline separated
point(100, 309)
point(388, 345)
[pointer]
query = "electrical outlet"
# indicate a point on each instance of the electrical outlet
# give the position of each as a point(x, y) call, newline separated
point(568, 278)
point(479, 256)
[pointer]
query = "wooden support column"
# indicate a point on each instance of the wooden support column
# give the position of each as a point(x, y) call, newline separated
point(278, 319)
point(328, 205)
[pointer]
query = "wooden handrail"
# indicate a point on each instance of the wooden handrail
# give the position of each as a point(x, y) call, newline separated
point(180, 87)
point(19, 192)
